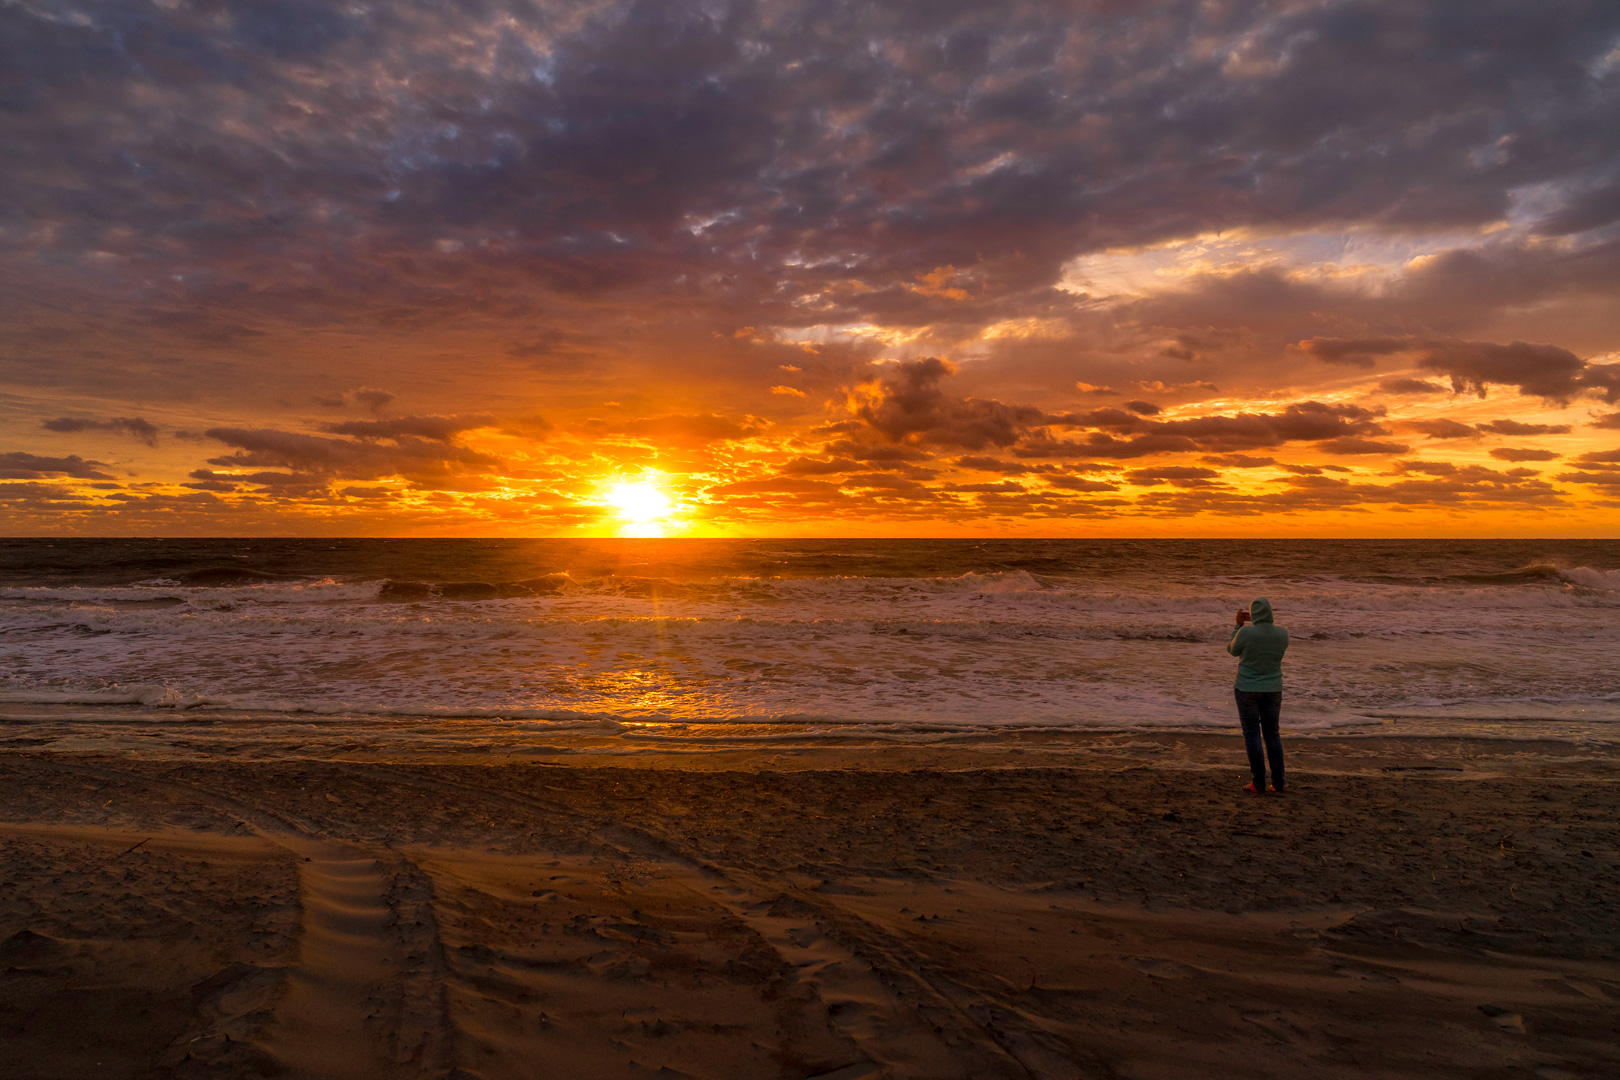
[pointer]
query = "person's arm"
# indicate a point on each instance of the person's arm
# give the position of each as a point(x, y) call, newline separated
point(1232, 645)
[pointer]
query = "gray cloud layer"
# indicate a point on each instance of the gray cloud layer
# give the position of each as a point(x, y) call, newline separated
point(276, 155)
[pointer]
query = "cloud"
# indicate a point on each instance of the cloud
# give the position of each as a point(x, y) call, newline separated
point(1592, 208)
point(777, 485)
point(1441, 429)
point(1603, 379)
point(130, 425)
point(1103, 445)
point(371, 398)
point(1410, 386)
point(875, 455)
point(1334, 427)
point(912, 405)
point(1356, 352)
point(1452, 429)
point(1304, 421)
point(1546, 371)
point(1078, 483)
point(439, 428)
point(999, 487)
point(17, 465)
point(217, 211)
point(1179, 475)
point(1510, 453)
point(1600, 457)
point(994, 465)
point(1350, 444)
point(1543, 370)
point(1599, 469)
point(688, 429)
point(1514, 427)
point(1239, 461)
point(885, 485)
point(278, 482)
point(527, 427)
point(425, 462)
point(587, 149)
point(1429, 468)
point(1607, 482)
point(909, 405)
point(803, 466)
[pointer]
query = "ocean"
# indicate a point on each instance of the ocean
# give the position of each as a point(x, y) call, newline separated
point(358, 645)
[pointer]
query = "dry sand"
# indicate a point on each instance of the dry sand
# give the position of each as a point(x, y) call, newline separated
point(1054, 910)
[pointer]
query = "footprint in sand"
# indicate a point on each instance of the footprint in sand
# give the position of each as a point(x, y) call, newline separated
point(1162, 968)
point(1502, 1018)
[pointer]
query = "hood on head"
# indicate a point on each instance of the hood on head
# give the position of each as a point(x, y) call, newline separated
point(1260, 610)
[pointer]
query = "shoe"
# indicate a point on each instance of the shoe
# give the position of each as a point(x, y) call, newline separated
point(1251, 789)
point(1275, 790)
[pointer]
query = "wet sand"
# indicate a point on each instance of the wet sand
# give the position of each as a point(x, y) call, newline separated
point(1074, 907)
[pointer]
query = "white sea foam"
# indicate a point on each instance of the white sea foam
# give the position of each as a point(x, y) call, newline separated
point(1607, 580)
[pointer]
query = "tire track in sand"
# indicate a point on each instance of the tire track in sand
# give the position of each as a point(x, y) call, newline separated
point(904, 1017)
point(323, 1026)
point(349, 1008)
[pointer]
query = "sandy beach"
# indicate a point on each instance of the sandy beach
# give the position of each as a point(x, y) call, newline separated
point(1078, 907)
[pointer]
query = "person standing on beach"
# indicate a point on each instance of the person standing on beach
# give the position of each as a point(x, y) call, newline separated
point(1259, 646)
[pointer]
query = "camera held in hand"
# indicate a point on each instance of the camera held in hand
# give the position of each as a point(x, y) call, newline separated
point(1242, 617)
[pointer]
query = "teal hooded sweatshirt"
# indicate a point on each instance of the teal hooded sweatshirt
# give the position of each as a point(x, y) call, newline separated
point(1259, 647)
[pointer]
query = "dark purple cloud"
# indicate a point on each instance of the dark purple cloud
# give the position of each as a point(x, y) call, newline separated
point(426, 461)
point(1441, 429)
point(1600, 457)
point(909, 404)
point(129, 425)
point(1357, 352)
point(272, 158)
point(17, 465)
point(1513, 427)
point(1544, 370)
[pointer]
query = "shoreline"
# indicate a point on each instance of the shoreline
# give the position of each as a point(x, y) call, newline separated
point(934, 914)
point(1423, 745)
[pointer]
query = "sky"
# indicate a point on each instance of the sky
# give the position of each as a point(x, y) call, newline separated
point(910, 268)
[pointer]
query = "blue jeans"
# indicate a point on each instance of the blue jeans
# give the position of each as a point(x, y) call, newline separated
point(1258, 711)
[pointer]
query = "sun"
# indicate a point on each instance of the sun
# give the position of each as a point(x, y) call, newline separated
point(639, 504)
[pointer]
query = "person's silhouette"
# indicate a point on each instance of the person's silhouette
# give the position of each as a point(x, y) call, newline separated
point(1259, 646)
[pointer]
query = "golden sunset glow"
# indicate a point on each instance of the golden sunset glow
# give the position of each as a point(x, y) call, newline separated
point(639, 503)
point(453, 303)
point(643, 509)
